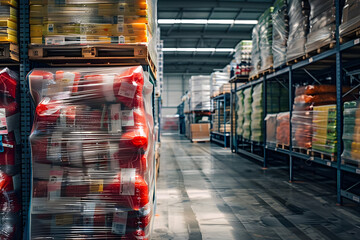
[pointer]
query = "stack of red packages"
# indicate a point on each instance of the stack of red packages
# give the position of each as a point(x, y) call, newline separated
point(92, 153)
point(10, 195)
point(306, 97)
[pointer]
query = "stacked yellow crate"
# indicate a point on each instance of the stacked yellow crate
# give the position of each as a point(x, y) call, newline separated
point(91, 22)
point(8, 21)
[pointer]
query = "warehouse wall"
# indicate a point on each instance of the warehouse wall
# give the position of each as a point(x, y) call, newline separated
point(174, 88)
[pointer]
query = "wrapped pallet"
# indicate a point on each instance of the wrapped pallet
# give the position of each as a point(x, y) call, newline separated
point(92, 146)
point(298, 11)
point(243, 57)
point(271, 127)
point(240, 112)
point(283, 129)
point(247, 113)
point(351, 134)
point(199, 87)
point(217, 80)
point(324, 139)
point(257, 114)
point(280, 21)
point(322, 24)
point(255, 51)
point(350, 17)
point(266, 37)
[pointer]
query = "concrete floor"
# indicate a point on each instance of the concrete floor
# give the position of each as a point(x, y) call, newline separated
point(206, 192)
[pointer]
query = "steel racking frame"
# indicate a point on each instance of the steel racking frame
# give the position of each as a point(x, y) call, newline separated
point(337, 56)
point(221, 137)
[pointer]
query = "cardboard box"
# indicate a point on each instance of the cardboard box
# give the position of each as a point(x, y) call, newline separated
point(200, 131)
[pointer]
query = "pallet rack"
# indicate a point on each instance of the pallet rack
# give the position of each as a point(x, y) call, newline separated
point(343, 58)
point(219, 134)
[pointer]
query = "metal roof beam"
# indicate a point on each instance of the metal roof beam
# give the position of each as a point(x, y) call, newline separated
point(213, 34)
point(203, 59)
point(214, 4)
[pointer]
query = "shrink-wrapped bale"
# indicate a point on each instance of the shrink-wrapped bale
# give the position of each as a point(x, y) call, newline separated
point(280, 21)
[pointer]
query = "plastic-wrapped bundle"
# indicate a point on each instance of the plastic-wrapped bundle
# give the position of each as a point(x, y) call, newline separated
point(271, 129)
point(243, 56)
point(277, 98)
point(92, 147)
point(350, 17)
point(199, 87)
point(94, 22)
point(247, 113)
point(351, 134)
point(266, 37)
point(217, 80)
point(298, 12)
point(8, 21)
point(257, 114)
point(10, 158)
point(324, 139)
point(283, 128)
point(280, 32)
point(322, 24)
point(240, 112)
point(255, 51)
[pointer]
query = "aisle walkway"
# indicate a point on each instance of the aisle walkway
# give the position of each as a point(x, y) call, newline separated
point(205, 192)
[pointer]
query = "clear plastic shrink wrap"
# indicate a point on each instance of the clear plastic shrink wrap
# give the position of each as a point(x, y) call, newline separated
point(199, 87)
point(283, 128)
point(255, 51)
point(266, 37)
point(271, 129)
point(298, 12)
point(351, 134)
point(8, 21)
point(280, 22)
point(324, 139)
point(350, 17)
point(257, 114)
point(240, 112)
point(322, 24)
point(243, 57)
point(92, 147)
point(217, 80)
point(10, 159)
point(247, 113)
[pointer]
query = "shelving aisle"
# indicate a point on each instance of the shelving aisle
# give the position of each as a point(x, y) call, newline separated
point(206, 191)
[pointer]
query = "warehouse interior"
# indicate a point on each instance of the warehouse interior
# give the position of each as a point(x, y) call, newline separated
point(175, 120)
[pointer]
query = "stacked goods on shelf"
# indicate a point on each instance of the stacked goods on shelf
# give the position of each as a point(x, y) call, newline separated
point(257, 113)
point(350, 17)
point(219, 117)
point(283, 129)
point(55, 22)
point(351, 134)
point(306, 97)
point(324, 139)
point(240, 112)
point(271, 128)
point(298, 12)
point(255, 51)
point(266, 37)
point(280, 32)
point(217, 80)
point(10, 159)
point(8, 21)
point(322, 24)
point(225, 88)
point(92, 147)
point(246, 133)
point(199, 87)
point(243, 57)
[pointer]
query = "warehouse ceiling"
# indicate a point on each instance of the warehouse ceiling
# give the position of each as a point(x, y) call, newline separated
point(182, 35)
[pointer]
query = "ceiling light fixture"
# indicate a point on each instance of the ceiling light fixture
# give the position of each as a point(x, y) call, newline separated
point(205, 21)
point(198, 50)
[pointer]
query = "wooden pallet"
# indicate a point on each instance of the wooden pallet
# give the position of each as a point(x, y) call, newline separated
point(351, 162)
point(295, 60)
point(324, 156)
point(350, 35)
point(220, 93)
point(305, 151)
point(325, 47)
point(9, 52)
point(92, 55)
point(282, 146)
point(200, 141)
point(261, 73)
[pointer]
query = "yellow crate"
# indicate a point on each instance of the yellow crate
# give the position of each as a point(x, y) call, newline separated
point(8, 38)
point(9, 24)
point(9, 2)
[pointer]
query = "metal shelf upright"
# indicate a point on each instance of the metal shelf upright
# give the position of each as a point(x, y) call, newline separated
point(220, 134)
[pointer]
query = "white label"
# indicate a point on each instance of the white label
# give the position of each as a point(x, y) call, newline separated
point(54, 185)
point(356, 199)
point(121, 8)
point(127, 181)
point(8, 145)
point(311, 158)
point(357, 171)
point(121, 39)
point(120, 29)
point(328, 163)
point(120, 19)
point(127, 118)
point(116, 125)
point(89, 212)
point(356, 41)
point(55, 41)
point(3, 123)
point(311, 60)
point(54, 147)
point(127, 90)
point(119, 223)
